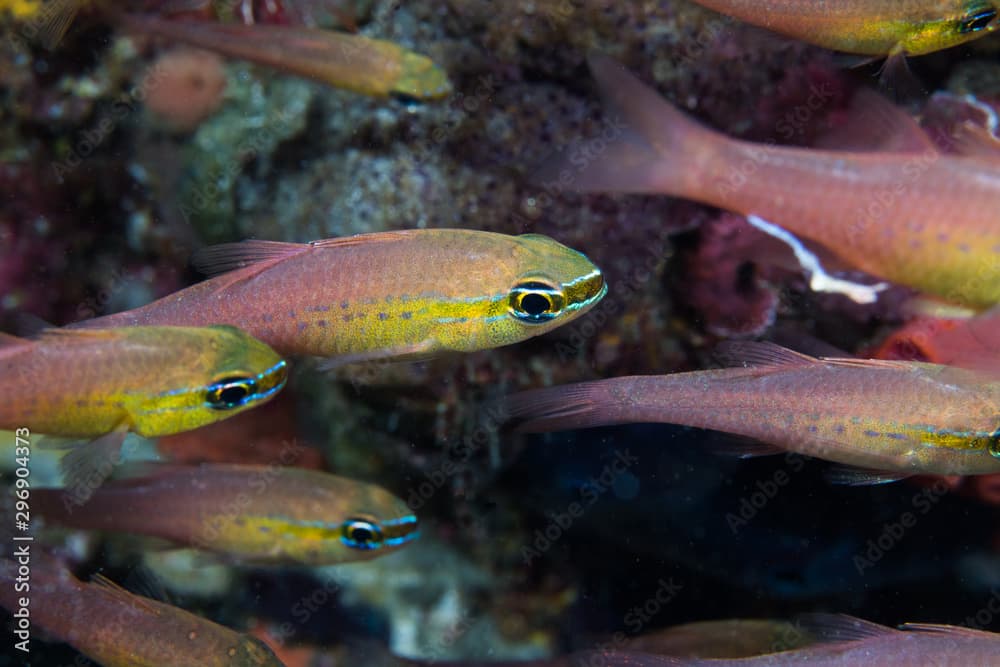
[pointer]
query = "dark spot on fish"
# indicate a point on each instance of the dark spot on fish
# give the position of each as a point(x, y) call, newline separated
point(813, 429)
point(838, 429)
point(99, 403)
point(264, 529)
point(321, 323)
point(383, 316)
point(942, 237)
point(291, 314)
point(268, 317)
point(240, 521)
point(81, 404)
point(302, 326)
point(119, 404)
point(406, 314)
point(896, 436)
point(872, 434)
point(964, 248)
point(346, 318)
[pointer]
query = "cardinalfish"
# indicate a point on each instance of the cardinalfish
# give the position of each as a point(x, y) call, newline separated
point(256, 514)
point(361, 64)
point(842, 641)
point(120, 629)
point(913, 216)
point(405, 294)
point(870, 27)
point(885, 420)
point(152, 381)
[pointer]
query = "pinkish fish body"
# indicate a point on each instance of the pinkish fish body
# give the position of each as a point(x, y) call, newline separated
point(904, 418)
point(852, 643)
point(392, 294)
point(916, 217)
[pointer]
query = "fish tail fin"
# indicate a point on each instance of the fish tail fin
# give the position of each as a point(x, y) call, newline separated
point(646, 144)
point(561, 408)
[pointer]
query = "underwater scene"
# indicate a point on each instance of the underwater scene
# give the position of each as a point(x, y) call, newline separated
point(541, 333)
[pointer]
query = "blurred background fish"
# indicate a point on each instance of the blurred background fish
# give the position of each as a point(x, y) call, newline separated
point(254, 514)
point(105, 383)
point(885, 420)
point(119, 629)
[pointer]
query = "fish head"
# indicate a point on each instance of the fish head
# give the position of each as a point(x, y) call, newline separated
point(217, 372)
point(421, 79)
point(372, 522)
point(962, 21)
point(251, 652)
point(548, 286)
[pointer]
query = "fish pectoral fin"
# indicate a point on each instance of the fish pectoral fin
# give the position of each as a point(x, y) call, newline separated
point(85, 467)
point(743, 448)
point(898, 80)
point(389, 355)
point(851, 476)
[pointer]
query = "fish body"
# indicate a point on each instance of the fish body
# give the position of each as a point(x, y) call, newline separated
point(918, 218)
point(118, 629)
point(851, 642)
point(905, 418)
point(394, 294)
point(258, 514)
point(152, 381)
point(870, 27)
point(361, 64)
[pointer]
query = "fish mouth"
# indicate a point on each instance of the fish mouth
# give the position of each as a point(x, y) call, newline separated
point(397, 532)
point(585, 291)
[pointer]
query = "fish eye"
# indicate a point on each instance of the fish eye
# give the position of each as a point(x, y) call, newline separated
point(361, 534)
point(535, 302)
point(978, 19)
point(230, 392)
point(994, 445)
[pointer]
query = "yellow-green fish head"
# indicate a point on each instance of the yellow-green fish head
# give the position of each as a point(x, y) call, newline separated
point(551, 286)
point(421, 79)
point(355, 521)
point(223, 372)
point(965, 21)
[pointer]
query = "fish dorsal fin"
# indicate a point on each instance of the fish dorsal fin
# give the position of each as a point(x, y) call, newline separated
point(225, 257)
point(950, 630)
point(841, 627)
point(885, 364)
point(873, 123)
point(365, 239)
point(125, 597)
point(64, 336)
point(975, 141)
point(750, 354)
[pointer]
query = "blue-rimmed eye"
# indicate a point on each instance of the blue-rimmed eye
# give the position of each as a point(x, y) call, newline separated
point(994, 446)
point(361, 534)
point(230, 392)
point(979, 18)
point(535, 302)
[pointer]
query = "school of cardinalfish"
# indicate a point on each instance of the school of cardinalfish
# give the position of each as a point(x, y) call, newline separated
point(215, 349)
